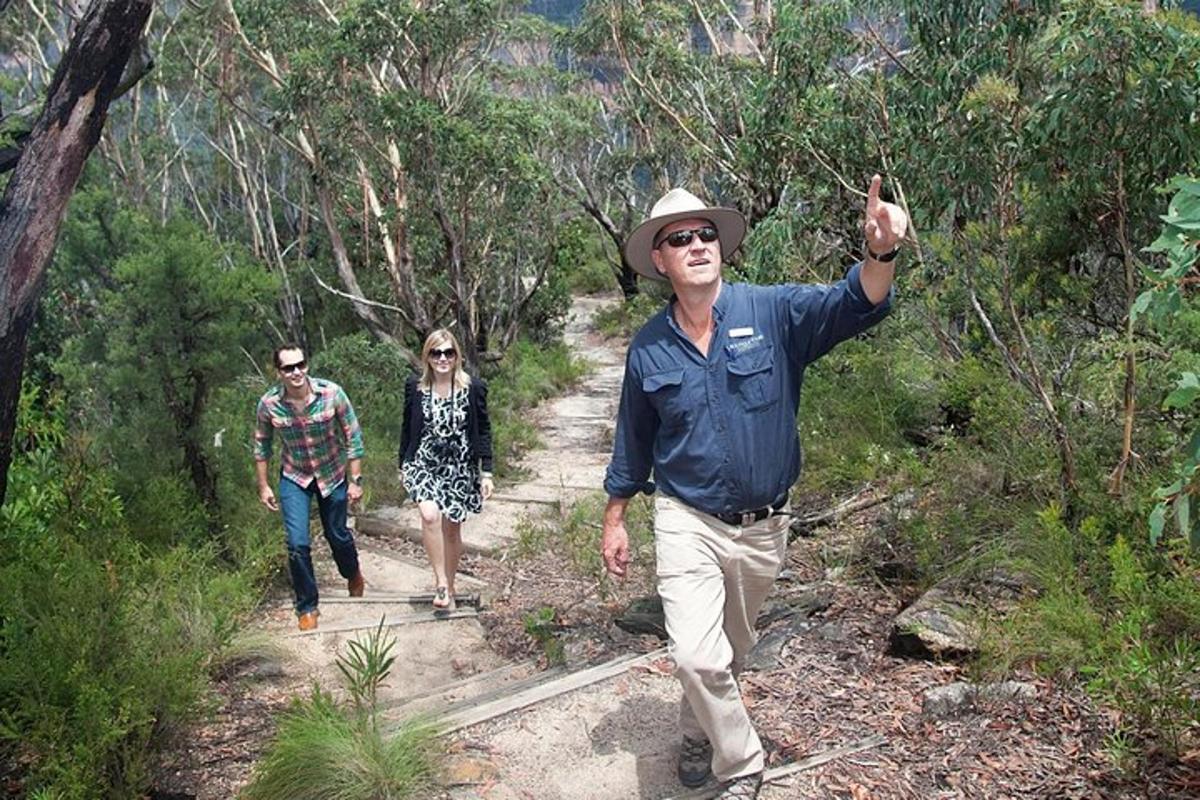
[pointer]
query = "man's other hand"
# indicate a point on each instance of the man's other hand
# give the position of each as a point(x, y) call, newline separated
point(614, 547)
point(267, 498)
point(354, 493)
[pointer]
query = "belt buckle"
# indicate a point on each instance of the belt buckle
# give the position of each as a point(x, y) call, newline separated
point(747, 518)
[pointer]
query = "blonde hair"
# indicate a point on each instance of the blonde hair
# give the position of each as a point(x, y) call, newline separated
point(441, 338)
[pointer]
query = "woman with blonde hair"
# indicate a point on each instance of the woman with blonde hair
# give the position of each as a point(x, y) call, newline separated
point(445, 454)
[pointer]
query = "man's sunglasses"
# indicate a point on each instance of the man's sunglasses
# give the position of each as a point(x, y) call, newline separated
point(683, 238)
point(447, 354)
point(288, 369)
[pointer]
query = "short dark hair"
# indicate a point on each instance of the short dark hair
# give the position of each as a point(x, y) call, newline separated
point(286, 346)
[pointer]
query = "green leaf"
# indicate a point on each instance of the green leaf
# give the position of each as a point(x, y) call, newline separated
point(1183, 514)
point(1158, 518)
point(1171, 490)
point(1167, 241)
point(1184, 206)
point(1186, 186)
point(1142, 303)
point(1185, 393)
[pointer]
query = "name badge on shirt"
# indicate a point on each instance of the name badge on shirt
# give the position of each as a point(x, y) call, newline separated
point(738, 333)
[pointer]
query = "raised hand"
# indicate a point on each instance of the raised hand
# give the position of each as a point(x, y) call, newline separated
point(885, 223)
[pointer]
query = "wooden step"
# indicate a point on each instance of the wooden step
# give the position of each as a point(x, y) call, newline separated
point(483, 708)
point(401, 598)
point(442, 699)
point(785, 770)
point(402, 619)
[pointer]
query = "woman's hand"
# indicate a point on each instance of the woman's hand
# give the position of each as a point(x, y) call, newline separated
point(486, 487)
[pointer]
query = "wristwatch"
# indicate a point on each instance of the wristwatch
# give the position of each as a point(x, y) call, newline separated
point(883, 257)
point(356, 480)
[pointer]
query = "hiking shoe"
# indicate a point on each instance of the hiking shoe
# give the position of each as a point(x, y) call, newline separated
point(742, 788)
point(695, 762)
point(356, 584)
point(308, 620)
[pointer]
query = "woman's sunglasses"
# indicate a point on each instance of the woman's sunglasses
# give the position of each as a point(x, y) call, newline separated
point(683, 238)
point(288, 369)
point(447, 354)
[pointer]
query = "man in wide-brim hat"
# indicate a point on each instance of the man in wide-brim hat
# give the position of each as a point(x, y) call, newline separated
point(708, 403)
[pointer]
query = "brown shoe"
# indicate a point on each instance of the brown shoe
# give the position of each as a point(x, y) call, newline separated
point(308, 620)
point(356, 585)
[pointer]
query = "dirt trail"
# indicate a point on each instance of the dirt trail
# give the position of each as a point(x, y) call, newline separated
point(825, 679)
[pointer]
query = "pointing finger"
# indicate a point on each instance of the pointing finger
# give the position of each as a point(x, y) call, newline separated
point(873, 194)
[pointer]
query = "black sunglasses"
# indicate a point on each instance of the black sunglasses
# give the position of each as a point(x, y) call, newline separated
point(448, 353)
point(683, 238)
point(288, 369)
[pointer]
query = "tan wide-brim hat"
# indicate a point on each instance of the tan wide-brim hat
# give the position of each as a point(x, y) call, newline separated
point(675, 205)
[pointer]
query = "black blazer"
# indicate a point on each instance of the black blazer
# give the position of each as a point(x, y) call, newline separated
point(479, 427)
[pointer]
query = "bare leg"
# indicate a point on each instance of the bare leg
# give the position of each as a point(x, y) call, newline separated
point(452, 537)
point(431, 537)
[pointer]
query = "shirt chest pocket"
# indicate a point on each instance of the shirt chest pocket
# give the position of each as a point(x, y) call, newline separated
point(752, 379)
point(665, 392)
point(309, 425)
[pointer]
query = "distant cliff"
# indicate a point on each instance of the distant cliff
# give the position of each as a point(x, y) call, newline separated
point(564, 12)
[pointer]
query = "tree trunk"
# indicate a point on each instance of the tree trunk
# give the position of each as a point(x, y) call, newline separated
point(44, 178)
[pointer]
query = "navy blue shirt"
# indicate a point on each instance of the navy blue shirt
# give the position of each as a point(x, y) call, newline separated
point(719, 431)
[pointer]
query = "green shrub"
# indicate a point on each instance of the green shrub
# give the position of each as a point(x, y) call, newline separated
point(321, 752)
point(857, 406)
point(622, 320)
point(540, 626)
point(574, 533)
point(101, 656)
point(324, 752)
point(1119, 618)
point(106, 639)
point(588, 269)
point(373, 374)
point(593, 275)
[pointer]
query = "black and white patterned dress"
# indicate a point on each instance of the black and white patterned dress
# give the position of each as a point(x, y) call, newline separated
point(442, 469)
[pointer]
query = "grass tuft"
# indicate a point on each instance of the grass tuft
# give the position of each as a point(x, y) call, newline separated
point(323, 753)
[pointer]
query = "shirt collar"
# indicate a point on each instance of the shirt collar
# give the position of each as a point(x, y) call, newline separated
point(719, 305)
point(722, 302)
point(315, 385)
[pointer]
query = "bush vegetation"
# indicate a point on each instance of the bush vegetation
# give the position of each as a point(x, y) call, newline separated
point(1037, 388)
point(326, 751)
point(133, 548)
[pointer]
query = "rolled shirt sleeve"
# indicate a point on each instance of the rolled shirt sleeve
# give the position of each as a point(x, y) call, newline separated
point(819, 317)
point(633, 444)
point(264, 432)
point(350, 427)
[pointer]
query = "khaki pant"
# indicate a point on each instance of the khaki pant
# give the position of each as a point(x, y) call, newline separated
point(713, 579)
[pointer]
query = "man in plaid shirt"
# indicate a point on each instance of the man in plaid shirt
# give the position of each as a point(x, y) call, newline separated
point(320, 442)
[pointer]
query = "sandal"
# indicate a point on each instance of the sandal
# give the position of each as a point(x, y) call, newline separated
point(441, 599)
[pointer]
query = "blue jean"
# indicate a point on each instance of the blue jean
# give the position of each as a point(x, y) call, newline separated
point(295, 501)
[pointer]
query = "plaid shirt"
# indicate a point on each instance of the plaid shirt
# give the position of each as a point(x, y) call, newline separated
point(313, 441)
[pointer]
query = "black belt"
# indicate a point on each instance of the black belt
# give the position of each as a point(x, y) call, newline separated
point(745, 518)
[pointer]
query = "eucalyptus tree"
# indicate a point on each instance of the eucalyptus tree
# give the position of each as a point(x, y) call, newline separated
point(419, 150)
point(1117, 119)
point(734, 93)
point(1038, 133)
point(44, 176)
